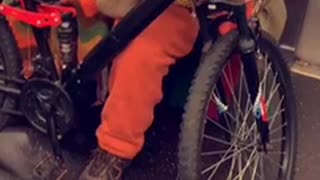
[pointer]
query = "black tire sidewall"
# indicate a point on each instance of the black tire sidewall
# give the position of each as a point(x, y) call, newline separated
point(205, 78)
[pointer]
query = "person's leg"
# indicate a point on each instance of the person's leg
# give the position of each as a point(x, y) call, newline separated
point(136, 80)
point(136, 88)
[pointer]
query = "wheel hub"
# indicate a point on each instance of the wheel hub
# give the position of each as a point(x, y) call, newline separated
point(42, 99)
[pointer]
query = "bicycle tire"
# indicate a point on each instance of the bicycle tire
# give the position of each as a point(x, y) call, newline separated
point(12, 66)
point(205, 78)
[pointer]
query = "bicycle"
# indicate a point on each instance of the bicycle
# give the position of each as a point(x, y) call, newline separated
point(230, 62)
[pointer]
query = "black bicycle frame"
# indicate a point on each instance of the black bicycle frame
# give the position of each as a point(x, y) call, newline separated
point(247, 46)
point(129, 28)
point(103, 53)
point(41, 36)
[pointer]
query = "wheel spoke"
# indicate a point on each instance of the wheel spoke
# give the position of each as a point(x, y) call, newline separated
point(230, 83)
point(273, 117)
point(273, 92)
point(240, 165)
point(274, 83)
point(226, 157)
point(233, 163)
point(216, 139)
point(232, 117)
point(210, 153)
point(264, 78)
point(278, 128)
point(221, 127)
point(235, 102)
point(224, 113)
point(249, 161)
point(255, 173)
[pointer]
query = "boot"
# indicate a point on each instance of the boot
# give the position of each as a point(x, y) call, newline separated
point(104, 166)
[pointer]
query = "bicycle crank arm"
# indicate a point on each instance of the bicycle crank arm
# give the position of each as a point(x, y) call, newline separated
point(9, 80)
point(11, 112)
point(12, 79)
point(54, 140)
point(9, 90)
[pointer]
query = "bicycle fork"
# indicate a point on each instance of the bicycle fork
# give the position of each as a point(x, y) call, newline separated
point(247, 46)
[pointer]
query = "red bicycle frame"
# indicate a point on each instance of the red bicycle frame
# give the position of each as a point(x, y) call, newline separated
point(45, 16)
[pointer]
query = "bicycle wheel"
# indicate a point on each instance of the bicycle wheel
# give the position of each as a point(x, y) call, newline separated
point(219, 136)
point(10, 66)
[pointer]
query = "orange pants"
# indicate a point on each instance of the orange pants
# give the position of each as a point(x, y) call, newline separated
point(136, 80)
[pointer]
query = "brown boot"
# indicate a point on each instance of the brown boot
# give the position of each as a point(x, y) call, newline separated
point(104, 166)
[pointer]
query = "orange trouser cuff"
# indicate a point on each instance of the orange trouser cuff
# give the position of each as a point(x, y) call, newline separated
point(117, 146)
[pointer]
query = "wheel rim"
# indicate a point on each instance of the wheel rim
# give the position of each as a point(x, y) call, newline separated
point(231, 147)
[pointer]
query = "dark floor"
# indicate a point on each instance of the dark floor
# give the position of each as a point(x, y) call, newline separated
point(308, 156)
point(158, 160)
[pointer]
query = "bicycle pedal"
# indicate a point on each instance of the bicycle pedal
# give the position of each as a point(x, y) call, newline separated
point(49, 169)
